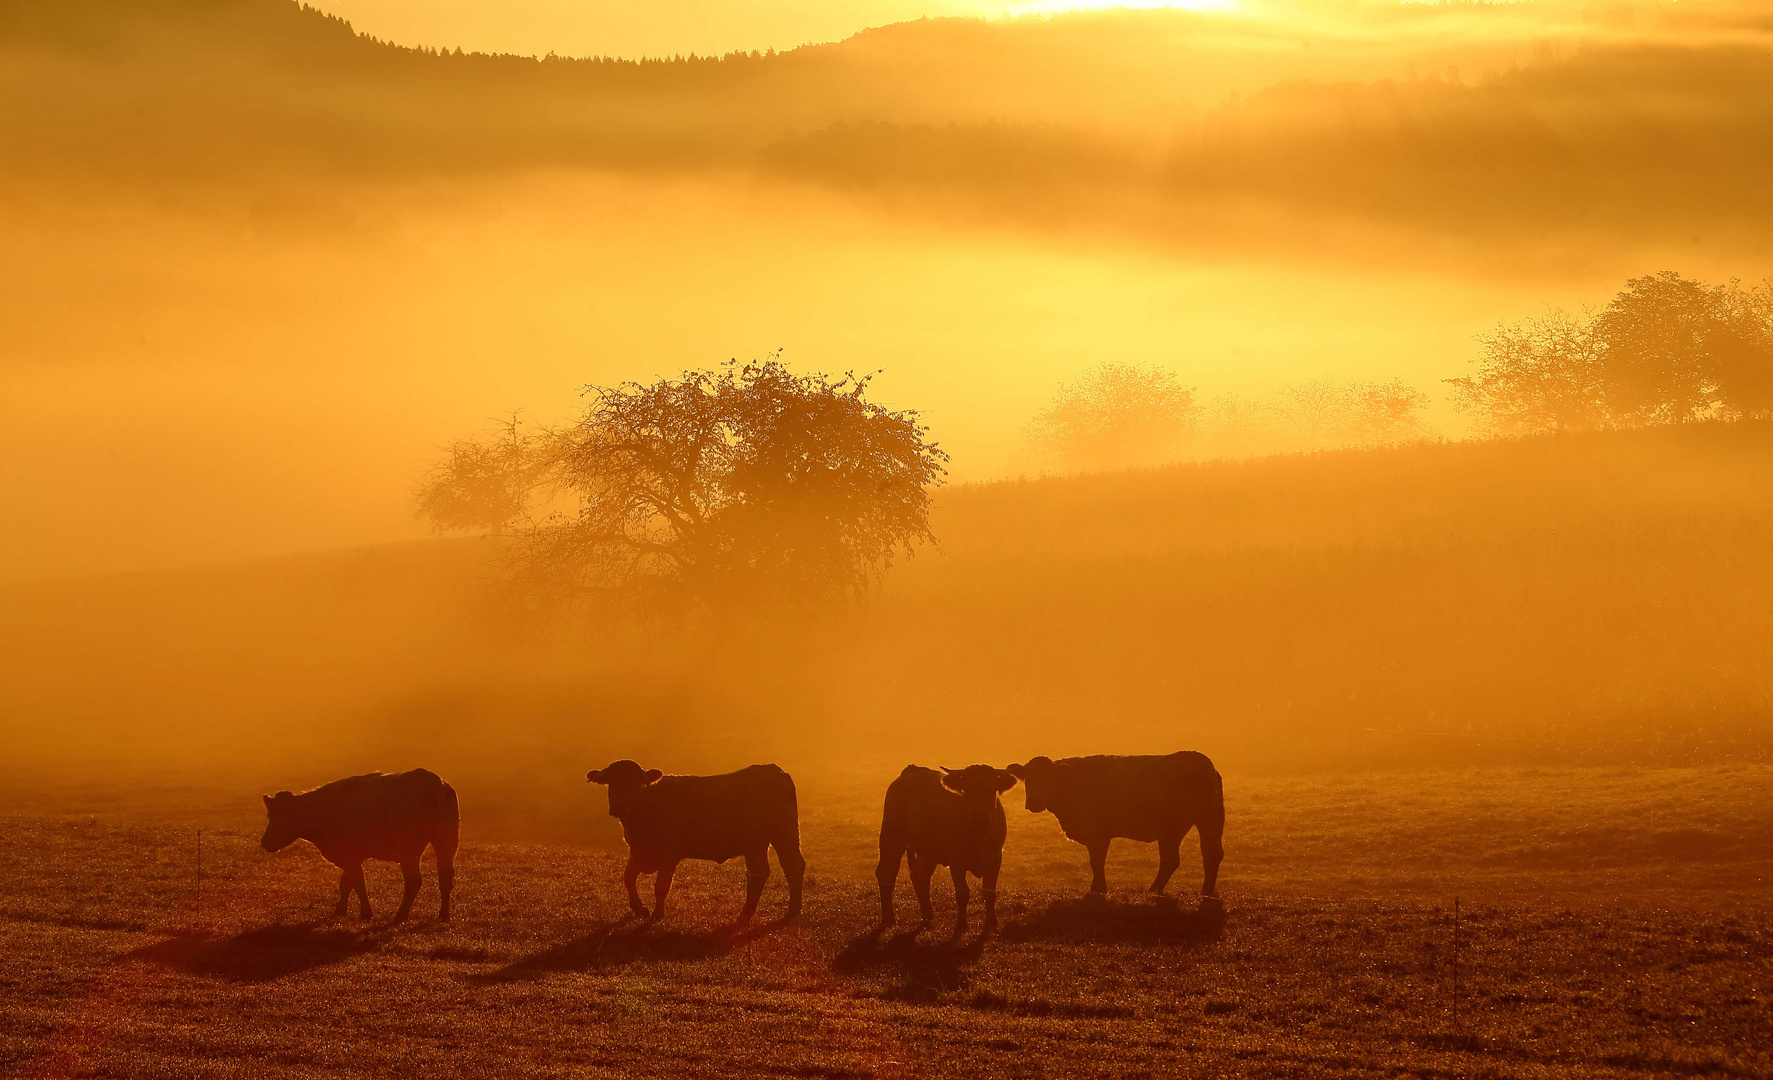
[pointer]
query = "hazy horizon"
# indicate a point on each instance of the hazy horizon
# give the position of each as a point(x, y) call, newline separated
point(246, 325)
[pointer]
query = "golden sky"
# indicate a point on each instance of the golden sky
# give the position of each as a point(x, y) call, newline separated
point(631, 28)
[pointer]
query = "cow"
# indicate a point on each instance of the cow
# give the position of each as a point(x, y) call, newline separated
point(1149, 798)
point(374, 816)
point(666, 819)
point(953, 819)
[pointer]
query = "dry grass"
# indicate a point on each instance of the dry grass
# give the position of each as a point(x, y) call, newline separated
point(1616, 922)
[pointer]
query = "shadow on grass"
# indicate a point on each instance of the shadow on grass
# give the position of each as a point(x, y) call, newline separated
point(617, 944)
point(264, 954)
point(1098, 920)
point(921, 970)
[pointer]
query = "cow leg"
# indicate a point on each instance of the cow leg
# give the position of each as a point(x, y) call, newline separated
point(661, 887)
point(409, 870)
point(794, 869)
point(631, 878)
point(344, 892)
point(960, 901)
point(357, 882)
point(887, 873)
point(757, 872)
point(988, 885)
point(1099, 867)
point(1169, 856)
point(1212, 853)
point(922, 869)
point(446, 879)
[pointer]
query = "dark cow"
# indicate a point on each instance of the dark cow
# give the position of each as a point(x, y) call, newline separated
point(373, 817)
point(1150, 798)
point(667, 819)
point(954, 820)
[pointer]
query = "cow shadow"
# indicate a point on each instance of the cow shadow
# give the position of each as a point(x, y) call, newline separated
point(622, 942)
point(1093, 919)
point(916, 967)
point(263, 954)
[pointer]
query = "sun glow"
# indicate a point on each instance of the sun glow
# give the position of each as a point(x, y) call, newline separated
point(1056, 7)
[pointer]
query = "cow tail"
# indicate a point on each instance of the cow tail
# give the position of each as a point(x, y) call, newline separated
point(1212, 830)
point(448, 835)
point(787, 845)
point(789, 829)
point(895, 832)
point(1213, 808)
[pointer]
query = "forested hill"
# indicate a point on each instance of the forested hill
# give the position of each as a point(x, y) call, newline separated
point(1482, 121)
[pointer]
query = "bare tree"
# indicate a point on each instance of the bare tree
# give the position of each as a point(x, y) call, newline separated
point(1315, 412)
point(1234, 426)
point(1116, 416)
point(486, 484)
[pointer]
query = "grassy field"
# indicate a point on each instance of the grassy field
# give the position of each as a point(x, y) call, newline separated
point(1613, 922)
point(1532, 676)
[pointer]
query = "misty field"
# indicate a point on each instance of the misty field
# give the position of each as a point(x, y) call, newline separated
point(1613, 922)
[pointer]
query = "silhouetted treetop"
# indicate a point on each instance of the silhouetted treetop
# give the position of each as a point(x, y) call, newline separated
point(1665, 349)
point(486, 484)
point(1116, 415)
point(749, 484)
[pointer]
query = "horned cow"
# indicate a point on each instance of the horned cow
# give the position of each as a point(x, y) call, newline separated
point(374, 816)
point(666, 819)
point(1148, 798)
point(952, 819)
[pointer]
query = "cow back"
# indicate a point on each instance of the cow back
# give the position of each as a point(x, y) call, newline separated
point(712, 817)
point(377, 815)
point(1138, 797)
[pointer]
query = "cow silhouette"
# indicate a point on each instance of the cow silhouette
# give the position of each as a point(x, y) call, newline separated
point(374, 816)
point(953, 819)
point(666, 819)
point(1149, 798)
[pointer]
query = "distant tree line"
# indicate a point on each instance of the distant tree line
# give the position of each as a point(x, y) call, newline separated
point(1120, 415)
point(748, 485)
point(1666, 349)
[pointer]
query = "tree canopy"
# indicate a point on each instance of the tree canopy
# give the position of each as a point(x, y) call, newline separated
point(484, 484)
point(750, 484)
point(1665, 349)
point(1116, 415)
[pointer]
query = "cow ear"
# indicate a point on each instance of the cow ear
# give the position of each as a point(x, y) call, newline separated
point(595, 776)
point(1020, 772)
point(951, 781)
point(1005, 780)
point(267, 802)
point(652, 776)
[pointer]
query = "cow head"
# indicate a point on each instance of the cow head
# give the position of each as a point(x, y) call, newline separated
point(1040, 777)
point(624, 779)
point(979, 785)
point(281, 826)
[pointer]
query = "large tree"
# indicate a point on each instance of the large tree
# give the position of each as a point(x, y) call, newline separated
point(750, 484)
point(1538, 376)
point(1666, 349)
point(1678, 349)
